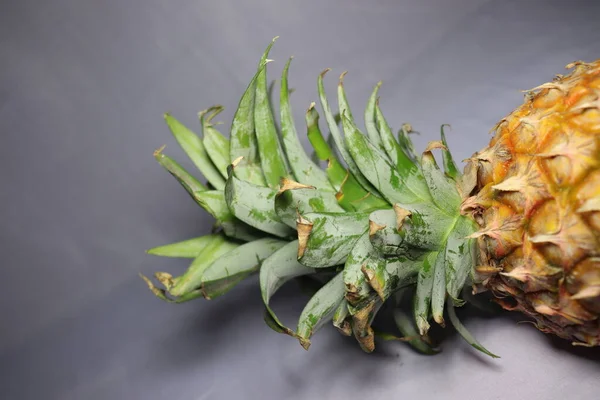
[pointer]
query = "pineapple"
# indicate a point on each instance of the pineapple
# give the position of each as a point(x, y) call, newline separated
point(382, 222)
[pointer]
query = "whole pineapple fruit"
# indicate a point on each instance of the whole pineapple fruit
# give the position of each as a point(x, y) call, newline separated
point(380, 223)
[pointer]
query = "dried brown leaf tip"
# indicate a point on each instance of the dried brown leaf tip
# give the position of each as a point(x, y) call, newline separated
point(288, 184)
point(401, 214)
point(304, 228)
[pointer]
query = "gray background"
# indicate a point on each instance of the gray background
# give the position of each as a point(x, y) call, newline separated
point(83, 85)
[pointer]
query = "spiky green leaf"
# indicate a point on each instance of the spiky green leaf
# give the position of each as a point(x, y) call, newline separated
point(449, 166)
point(189, 248)
point(371, 121)
point(253, 205)
point(216, 145)
point(460, 256)
point(294, 199)
point(191, 143)
point(271, 154)
point(214, 202)
point(466, 335)
point(304, 169)
point(320, 309)
point(185, 179)
point(231, 268)
point(326, 239)
point(275, 271)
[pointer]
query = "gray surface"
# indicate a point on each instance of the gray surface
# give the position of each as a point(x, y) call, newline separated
point(83, 85)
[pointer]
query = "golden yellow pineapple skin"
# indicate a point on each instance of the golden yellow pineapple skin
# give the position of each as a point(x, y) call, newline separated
point(537, 201)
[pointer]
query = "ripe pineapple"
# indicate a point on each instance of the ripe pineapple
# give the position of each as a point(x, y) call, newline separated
point(381, 222)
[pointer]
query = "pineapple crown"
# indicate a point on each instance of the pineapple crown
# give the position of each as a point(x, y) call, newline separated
point(374, 225)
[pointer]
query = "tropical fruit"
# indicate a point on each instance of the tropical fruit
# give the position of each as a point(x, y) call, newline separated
point(381, 222)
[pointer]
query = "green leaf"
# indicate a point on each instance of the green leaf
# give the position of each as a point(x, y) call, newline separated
point(396, 154)
point(189, 248)
point(466, 335)
point(214, 202)
point(189, 183)
point(341, 318)
point(254, 205)
point(370, 120)
point(438, 290)
point(406, 326)
point(216, 145)
point(304, 169)
point(320, 309)
point(192, 279)
point(242, 140)
point(337, 137)
point(193, 147)
point(271, 155)
point(405, 141)
point(295, 199)
point(361, 256)
point(275, 271)
point(346, 115)
point(449, 165)
point(351, 196)
point(326, 239)
point(426, 228)
point(234, 266)
point(395, 273)
point(422, 304)
point(460, 256)
point(384, 236)
point(395, 188)
point(443, 190)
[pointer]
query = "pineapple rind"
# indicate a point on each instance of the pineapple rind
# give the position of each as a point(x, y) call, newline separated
point(539, 240)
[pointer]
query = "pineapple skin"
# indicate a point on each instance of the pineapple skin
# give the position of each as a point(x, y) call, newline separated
point(537, 202)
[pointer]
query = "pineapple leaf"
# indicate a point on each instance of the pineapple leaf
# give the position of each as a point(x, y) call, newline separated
point(320, 309)
point(361, 325)
point(189, 248)
point(362, 254)
point(383, 234)
point(326, 239)
point(449, 166)
point(304, 169)
point(191, 280)
point(422, 303)
point(351, 196)
point(253, 204)
point(438, 289)
point(337, 137)
point(335, 171)
point(443, 190)
point(216, 145)
point(371, 121)
point(271, 154)
point(390, 145)
point(189, 183)
point(459, 257)
point(242, 141)
point(406, 143)
point(341, 318)
point(193, 147)
point(294, 198)
point(466, 335)
point(392, 274)
point(395, 188)
point(213, 201)
point(275, 271)
point(410, 334)
point(231, 268)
